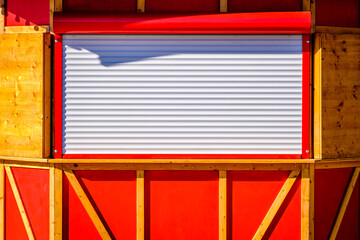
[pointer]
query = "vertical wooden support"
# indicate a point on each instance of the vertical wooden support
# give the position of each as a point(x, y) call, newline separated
point(141, 6)
point(313, 12)
point(276, 205)
point(140, 213)
point(2, 200)
point(58, 5)
point(2, 16)
point(222, 205)
point(223, 6)
point(344, 203)
point(87, 205)
point(51, 15)
point(19, 203)
point(307, 202)
point(317, 97)
point(55, 202)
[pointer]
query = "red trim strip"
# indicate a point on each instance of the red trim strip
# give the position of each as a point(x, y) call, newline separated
point(230, 23)
point(306, 97)
point(58, 96)
point(181, 156)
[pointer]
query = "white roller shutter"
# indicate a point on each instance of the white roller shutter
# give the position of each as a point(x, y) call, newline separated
point(182, 94)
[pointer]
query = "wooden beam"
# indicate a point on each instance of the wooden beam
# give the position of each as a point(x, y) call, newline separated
point(2, 15)
point(338, 30)
point(306, 5)
point(313, 12)
point(276, 205)
point(317, 81)
point(2, 200)
point(140, 213)
point(184, 166)
point(87, 204)
point(223, 6)
point(344, 204)
point(19, 203)
point(222, 205)
point(51, 14)
point(55, 202)
point(141, 6)
point(58, 5)
point(27, 29)
point(307, 202)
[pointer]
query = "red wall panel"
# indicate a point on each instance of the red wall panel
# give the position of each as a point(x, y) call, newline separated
point(264, 5)
point(340, 13)
point(250, 195)
point(33, 185)
point(25, 12)
point(100, 6)
point(113, 194)
point(182, 205)
point(182, 6)
point(14, 226)
point(330, 186)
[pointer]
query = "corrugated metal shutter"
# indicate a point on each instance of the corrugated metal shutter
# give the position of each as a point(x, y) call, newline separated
point(182, 94)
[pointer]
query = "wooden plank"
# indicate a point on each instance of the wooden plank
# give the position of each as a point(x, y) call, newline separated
point(344, 203)
point(87, 204)
point(317, 132)
point(51, 15)
point(313, 15)
point(141, 6)
point(46, 87)
point(27, 29)
point(184, 166)
point(19, 203)
point(2, 15)
point(338, 163)
point(306, 5)
point(340, 95)
point(58, 5)
point(222, 205)
point(24, 159)
point(2, 200)
point(223, 6)
point(338, 30)
point(307, 202)
point(140, 207)
point(27, 164)
point(276, 205)
point(55, 202)
point(21, 95)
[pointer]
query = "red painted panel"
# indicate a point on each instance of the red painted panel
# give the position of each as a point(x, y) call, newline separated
point(182, 6)
point(77, 224)
point(264, 5)
point(330, 186)
point(181, 205)
point(250, 195)
point(99, 6)
point(230, 23)
point(114, 195)
point(33, 185)
point(25, 12)
point(14, 227)
point(350, 226)
point(340, 13)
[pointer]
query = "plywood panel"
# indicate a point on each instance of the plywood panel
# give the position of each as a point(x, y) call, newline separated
point(339, 62)
point(24, 94)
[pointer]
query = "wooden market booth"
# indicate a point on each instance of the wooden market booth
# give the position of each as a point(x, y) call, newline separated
point(201, 119)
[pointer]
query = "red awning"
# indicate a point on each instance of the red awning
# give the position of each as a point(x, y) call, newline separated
point(144, 23)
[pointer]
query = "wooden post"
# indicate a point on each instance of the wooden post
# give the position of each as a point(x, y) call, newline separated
point(2, 16)
point(55, 202)
point(58, 5)
point(140, 214)
point(222, 205)
point(223, 6)
point(51, 15)
point(141, 6)
point(317, 81)
point(2, 200)
point(276, 205)
point(307, 202)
